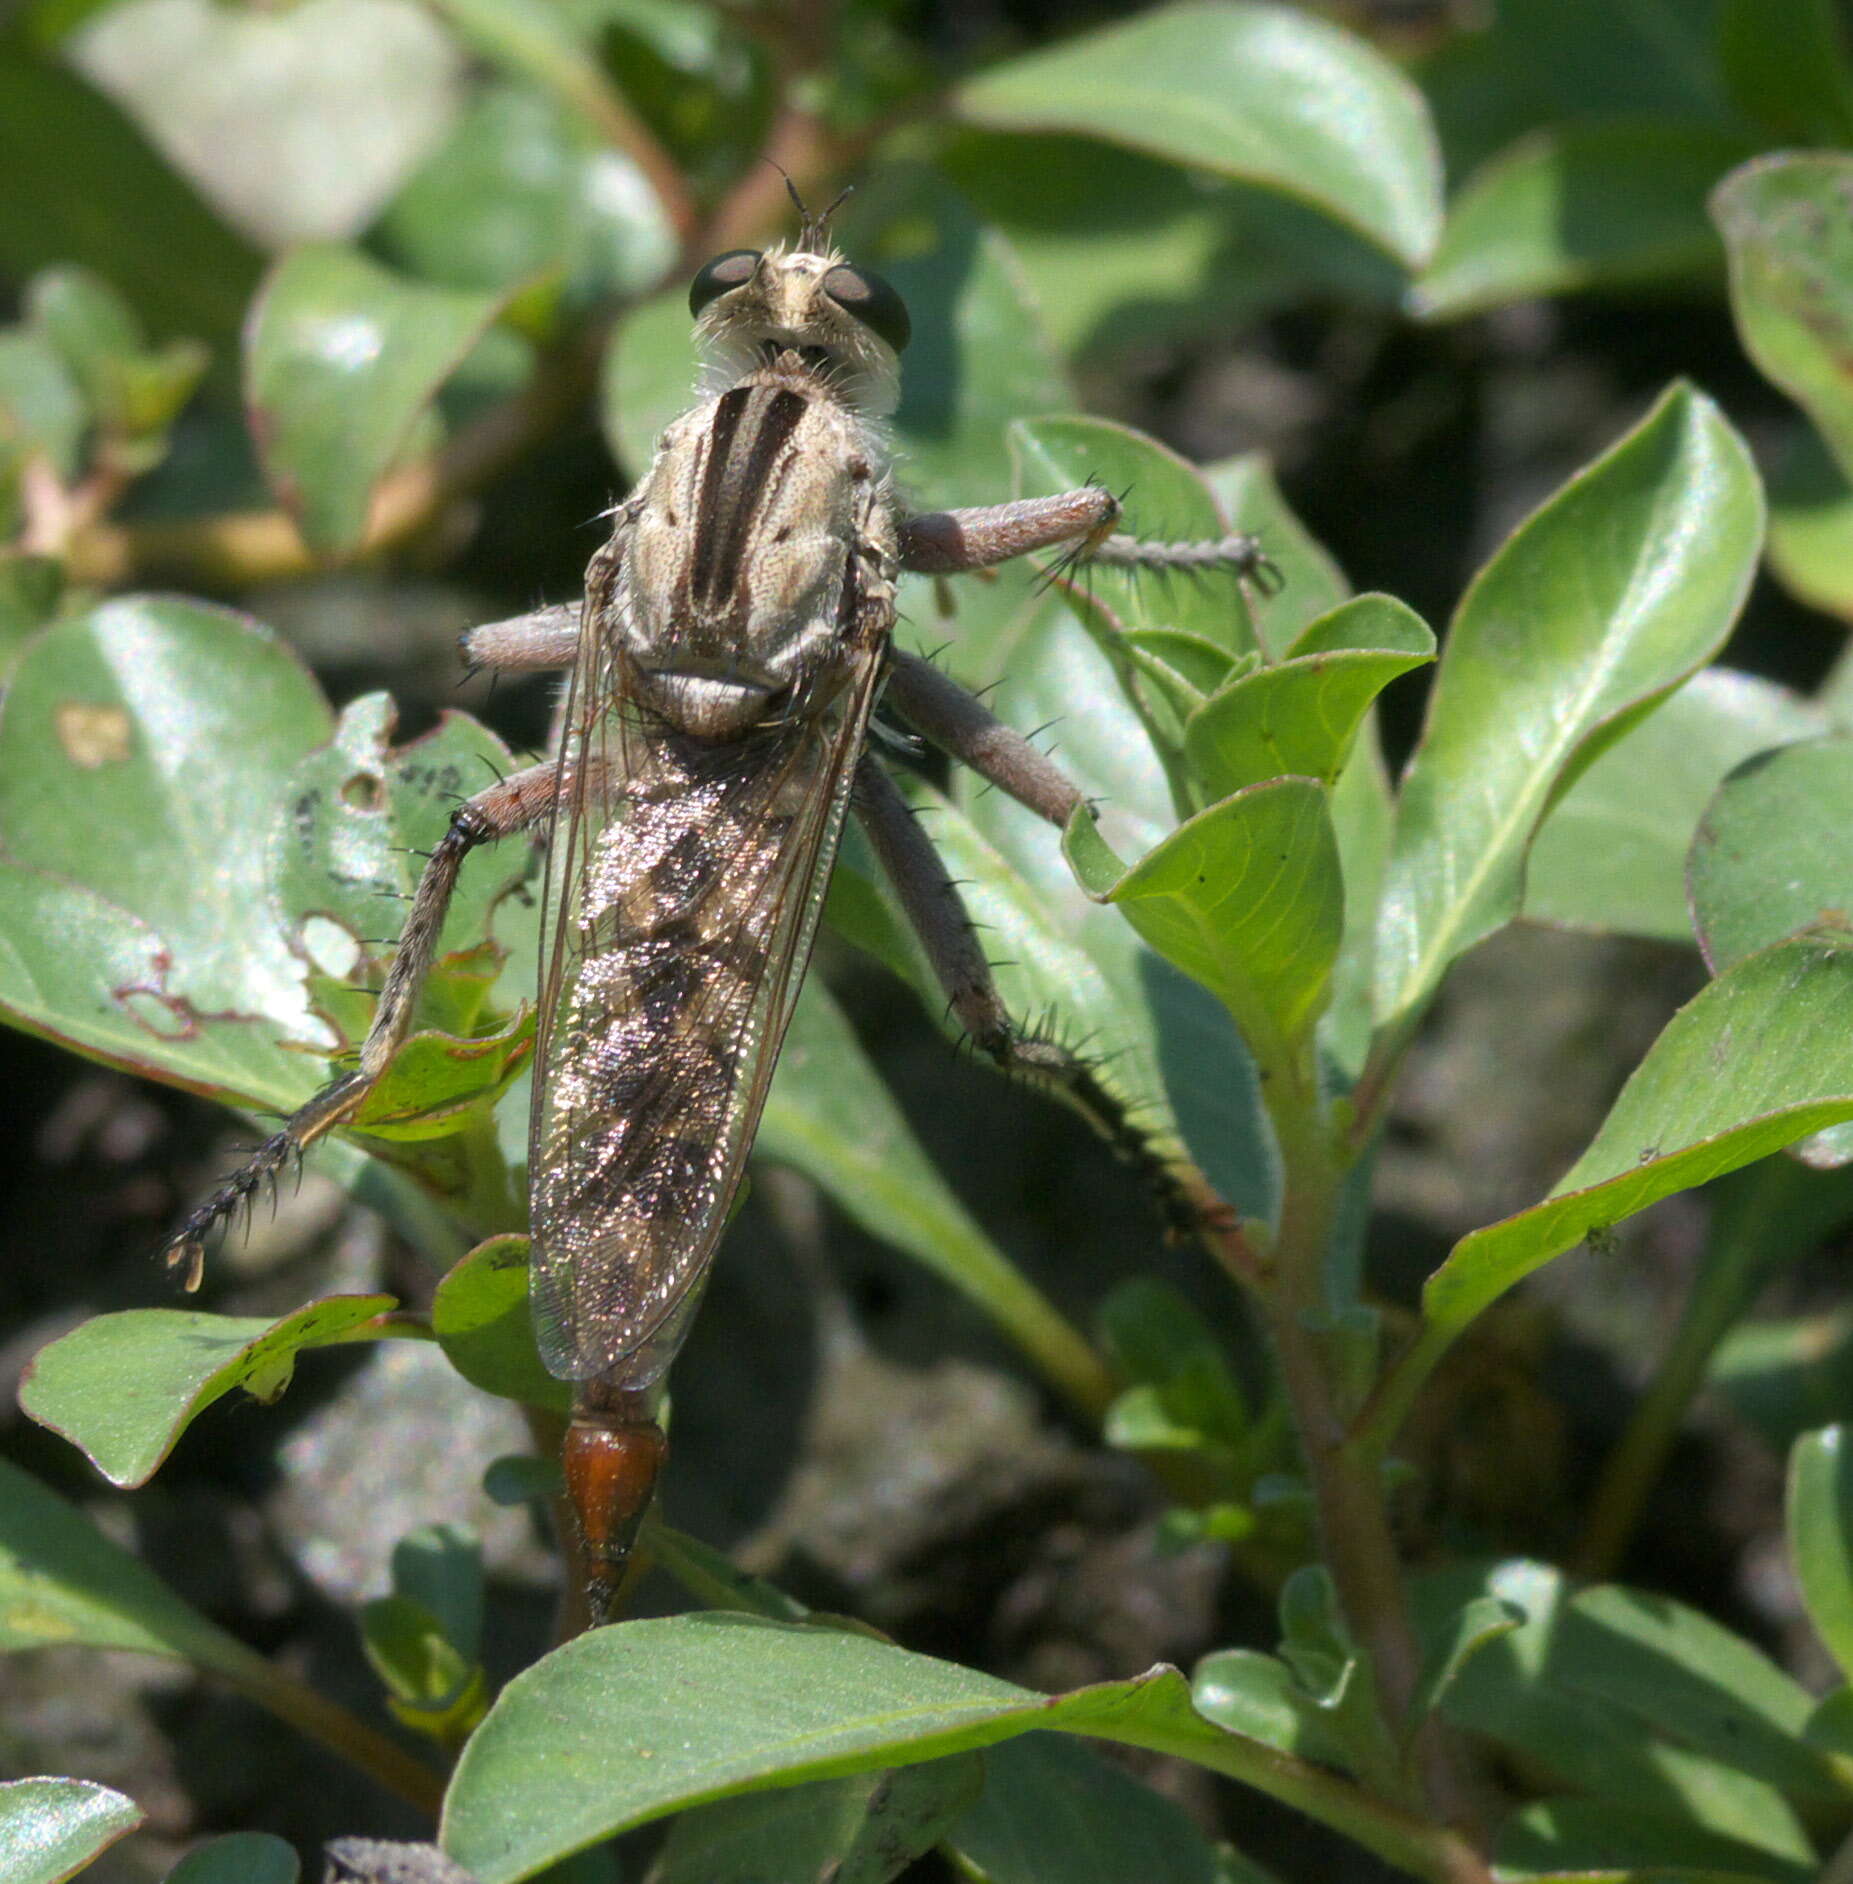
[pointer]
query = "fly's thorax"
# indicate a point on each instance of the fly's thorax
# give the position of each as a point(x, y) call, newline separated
point(751, 542)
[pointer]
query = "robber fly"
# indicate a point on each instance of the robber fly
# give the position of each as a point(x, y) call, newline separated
point(732, 645)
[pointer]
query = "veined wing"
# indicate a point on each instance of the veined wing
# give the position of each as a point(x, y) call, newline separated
point(683, 894)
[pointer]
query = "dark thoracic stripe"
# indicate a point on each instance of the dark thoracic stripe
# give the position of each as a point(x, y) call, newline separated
point(723, 527)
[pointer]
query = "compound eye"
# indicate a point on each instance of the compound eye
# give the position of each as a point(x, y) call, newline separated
point(873, 302)
point(726, 272)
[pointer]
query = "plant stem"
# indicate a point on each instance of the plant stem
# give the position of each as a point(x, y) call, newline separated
point(327, 1721)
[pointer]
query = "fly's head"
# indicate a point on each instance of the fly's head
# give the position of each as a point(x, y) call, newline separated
point(808, 308)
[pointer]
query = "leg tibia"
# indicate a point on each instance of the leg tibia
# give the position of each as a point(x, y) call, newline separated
point(524, 644)
point(517, 802)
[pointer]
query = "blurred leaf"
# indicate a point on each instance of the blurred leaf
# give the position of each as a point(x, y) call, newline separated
point(124, 1387)
point(1055, 1812)
point(1596, 1694)
point(830, 1116)
point(133, 391)
point(341, 356)
point(1601, 1841)
point(441, 1567)
point(1787, 68)
point(1247, 91)
point(1811, 524)
point(519, 188)
point(1757, 1060)
point(79, 185)
point(1787, 223)
point(1477, 1623)
point(1580, 207)
point(432, 1687)
point(238, 1858)
point(730, 1703)
point(63, 1583)
point(1770, 857)
point(1363, 820)
point(1311, 583)
point(143, 751)
point(1246, 898)
point(42, 412)
point(1594, 609)
point(520, 1479)
point(1302, 716)
point(481, 1318)
point(50, 1829)
point(1542, 62)
point(30, 588)
point(863, 1829)
point(1612, 853)
point(1784, 1376)
point(296, 123)
point(1820, 1526)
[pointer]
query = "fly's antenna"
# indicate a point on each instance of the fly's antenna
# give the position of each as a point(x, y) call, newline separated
point(813, 231)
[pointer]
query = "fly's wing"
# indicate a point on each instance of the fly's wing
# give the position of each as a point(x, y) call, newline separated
point(683, 894)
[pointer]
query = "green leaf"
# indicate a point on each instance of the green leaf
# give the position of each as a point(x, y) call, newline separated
point(1245, 898)
point(62, 1583)
point(1786, 230)
point(639, 1719)
point(1758, 1059)
point(50, 1829)
point(132, 390)
point(481, 1318)
point(1302, 716)
point(1610, 1694)
point(1167, 500)
point(1480, 1621)
point(1266, 94)
point(1600, 1841)
point(341, 357)
point(1580, 207)
point(1055, 1812)
point(521, 188)
point(1794, 80)
point(124, 1387)
point(1820, 1525)
point(30, 587)
point(238, 1858)
point(1612, 855)
point(1259, 1696)
point(863, 1829)
point(1770, 857)
point(144, 748)
point(1811, 523)
point(1595, 608)
point(830, 1116)
point(1311, 583)
point(42, 412)
point(79, 184)
point(1161, 1045)
point(440, 1566)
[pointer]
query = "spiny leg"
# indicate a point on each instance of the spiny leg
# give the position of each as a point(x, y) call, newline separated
point(936, 912)
point(946, 542)
point(517, 803)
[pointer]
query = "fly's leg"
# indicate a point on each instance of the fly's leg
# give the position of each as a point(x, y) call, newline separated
point(937, 914)
point(517, 803)
point(947, 542)
point(543, 641)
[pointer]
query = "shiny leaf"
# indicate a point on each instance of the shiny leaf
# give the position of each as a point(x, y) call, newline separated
point(1595, 608)
point(50, 1829)
point(1820, 1524)
point(1268, 94)
point(124, 1387)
